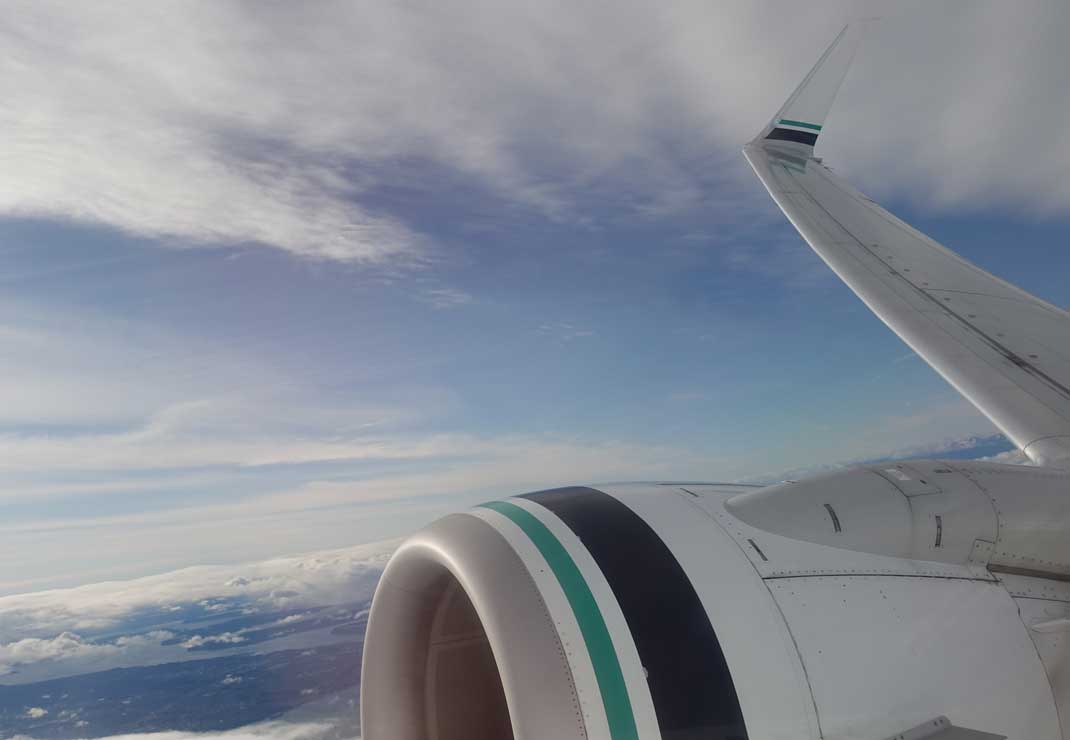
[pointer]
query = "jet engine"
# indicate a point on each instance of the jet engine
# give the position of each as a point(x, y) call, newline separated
point(901, 600)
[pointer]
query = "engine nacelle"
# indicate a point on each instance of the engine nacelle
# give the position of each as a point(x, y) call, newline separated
point(853, 605)
point(1011, 518)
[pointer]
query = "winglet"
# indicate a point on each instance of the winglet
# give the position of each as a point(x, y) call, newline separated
point(800, 119)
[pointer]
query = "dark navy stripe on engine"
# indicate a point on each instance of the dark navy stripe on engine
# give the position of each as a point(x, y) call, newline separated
point(692, 690)
point(788, 134)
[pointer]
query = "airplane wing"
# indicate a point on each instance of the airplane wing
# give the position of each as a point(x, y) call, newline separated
point(1005, 350)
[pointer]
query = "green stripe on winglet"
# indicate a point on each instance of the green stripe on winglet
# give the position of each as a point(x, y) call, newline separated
point(592, 625)
point(803, 124)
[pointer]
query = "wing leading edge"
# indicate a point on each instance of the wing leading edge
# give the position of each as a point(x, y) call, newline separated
point(1005, 350)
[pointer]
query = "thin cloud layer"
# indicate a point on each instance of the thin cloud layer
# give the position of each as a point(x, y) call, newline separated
point(206, 445)
point(228, 123)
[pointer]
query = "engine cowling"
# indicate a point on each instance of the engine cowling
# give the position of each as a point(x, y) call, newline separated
point(697, 611)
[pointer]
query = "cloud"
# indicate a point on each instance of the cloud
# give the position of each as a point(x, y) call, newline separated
point(226, 123)
point(1010, 457)
point(76, 369)
point(47, 625)
point(565, 331)
point(271, 730)
point(445, 298)
point(155, 123)
point(89, 392)
point(248, 429)
point(232, 123)
point(968, 447)
point(435, 467)
point(66, 646)
point(931, 139)
point(232, 459)
point(226, 638)
point(433, 474)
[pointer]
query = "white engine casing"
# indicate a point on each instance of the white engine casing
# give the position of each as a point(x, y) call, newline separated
point(842, 621)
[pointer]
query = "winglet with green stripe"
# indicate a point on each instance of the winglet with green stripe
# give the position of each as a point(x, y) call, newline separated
point(802, 117)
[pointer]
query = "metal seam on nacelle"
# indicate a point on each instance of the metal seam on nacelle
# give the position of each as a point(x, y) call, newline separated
point(873, 574)
point(965, 471)
point(1029, 572)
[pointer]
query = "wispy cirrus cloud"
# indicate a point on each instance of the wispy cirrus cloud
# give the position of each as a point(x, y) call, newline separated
point(445, 298)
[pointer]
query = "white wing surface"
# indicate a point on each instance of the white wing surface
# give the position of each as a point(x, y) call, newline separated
point(1005, 350)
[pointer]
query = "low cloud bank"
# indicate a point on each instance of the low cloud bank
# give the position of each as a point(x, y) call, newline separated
point(274, 730)
point(74, 630)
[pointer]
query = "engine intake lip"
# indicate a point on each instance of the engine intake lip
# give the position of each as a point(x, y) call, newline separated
point(400, 698)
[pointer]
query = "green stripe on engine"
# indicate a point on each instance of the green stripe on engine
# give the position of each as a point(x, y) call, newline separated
point(592, 625)
point(803, 124)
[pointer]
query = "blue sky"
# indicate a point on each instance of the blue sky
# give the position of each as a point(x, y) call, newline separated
point(276, 283)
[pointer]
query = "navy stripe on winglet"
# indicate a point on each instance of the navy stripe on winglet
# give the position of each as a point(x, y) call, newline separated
point(787, 134)
point(692, 690)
